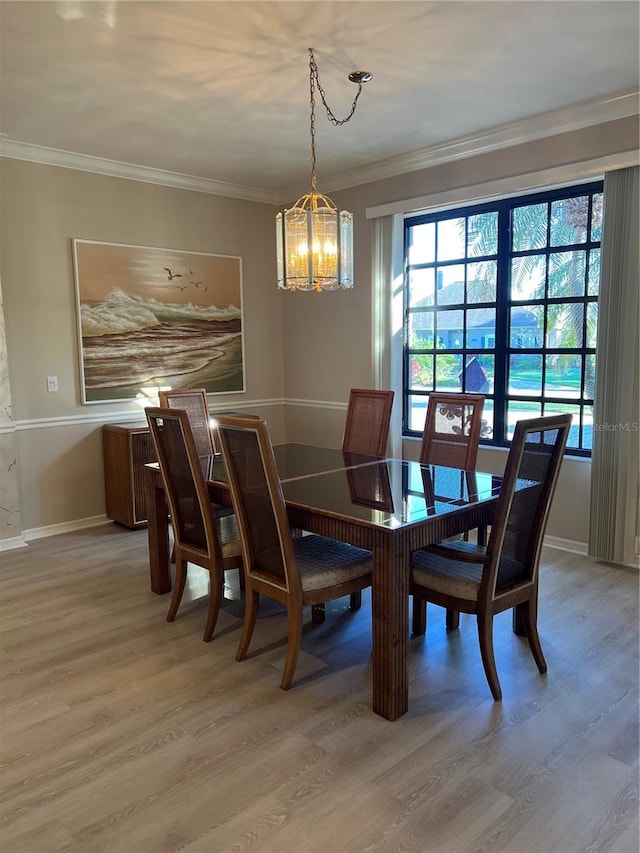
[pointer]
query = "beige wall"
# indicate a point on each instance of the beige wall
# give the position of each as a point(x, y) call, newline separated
point(43, 207)
point(308, 348)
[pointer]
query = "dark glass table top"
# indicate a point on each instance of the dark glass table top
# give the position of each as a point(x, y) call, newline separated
point(295, 460)
point(391, 492)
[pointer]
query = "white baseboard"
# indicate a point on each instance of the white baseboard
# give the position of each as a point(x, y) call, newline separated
point(11, 543)
point(566, 545)
point(64, 527)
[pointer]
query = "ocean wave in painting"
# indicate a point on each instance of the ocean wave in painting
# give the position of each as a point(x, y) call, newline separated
point(129, 342)
point(123, 312)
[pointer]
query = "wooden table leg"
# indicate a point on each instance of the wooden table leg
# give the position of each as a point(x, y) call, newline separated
point(390, 606)
point(158, 531)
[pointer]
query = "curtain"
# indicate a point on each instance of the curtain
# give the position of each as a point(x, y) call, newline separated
point(615, 470)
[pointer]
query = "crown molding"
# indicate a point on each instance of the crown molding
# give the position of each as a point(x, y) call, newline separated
point(576, 117)
point(555, 176)
point(116, 169)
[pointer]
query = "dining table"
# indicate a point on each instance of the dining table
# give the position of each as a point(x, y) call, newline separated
point(389, 506)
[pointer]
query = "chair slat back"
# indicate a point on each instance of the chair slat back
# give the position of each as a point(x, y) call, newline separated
point(194, 402)
point(184, 481)
point(258, 500)
point(367, 424)
point(452, 430)
point(528, 487)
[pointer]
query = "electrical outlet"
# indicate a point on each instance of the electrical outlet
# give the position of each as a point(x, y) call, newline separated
point(52, 383)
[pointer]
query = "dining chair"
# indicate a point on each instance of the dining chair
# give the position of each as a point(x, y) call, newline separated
point(199, 537)
point(366, 433)
point(366, 428)
point(452, 430)
point(194, 402)
point(468, 578)
point(308, 570)
point(451, 435)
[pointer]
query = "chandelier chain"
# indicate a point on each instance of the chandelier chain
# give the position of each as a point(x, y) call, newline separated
point(314, 82)
point(315, 77)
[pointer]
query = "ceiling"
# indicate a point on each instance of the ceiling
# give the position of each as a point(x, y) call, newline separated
point(220, 90)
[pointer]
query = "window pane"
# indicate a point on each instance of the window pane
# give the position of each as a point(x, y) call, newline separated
point(451, 239)
point(587, 427)
point(421, 372)
point(527, 277)
point(421, 287)
point(562, 376)
point(525, 375)
point(476, 379)
point(564, 325)
point(488, 364)
point(569, 221)
point(567, 273)
point(482, 238)
point(481, 282)
point(596, 217)
point(521, 410)
point(422, 243)
point(448, 372)
point(417, 411)
point(481, 328)
point(421, 329)
point(526, 326)
point(486, 429)
point(564, 409)
point(589, 376)
point(593, 288)
point(529, 227)
point(449, 329)
point(450, 285)
point(592, 324)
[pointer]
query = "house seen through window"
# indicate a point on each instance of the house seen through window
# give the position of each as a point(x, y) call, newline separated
point(502, 299)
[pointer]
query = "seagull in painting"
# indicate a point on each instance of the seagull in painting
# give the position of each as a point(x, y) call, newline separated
point(172, 275)
point(181, 287)
point(190, 271)
point(195, 283)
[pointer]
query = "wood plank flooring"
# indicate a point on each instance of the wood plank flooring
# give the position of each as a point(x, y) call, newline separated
point(125, 734)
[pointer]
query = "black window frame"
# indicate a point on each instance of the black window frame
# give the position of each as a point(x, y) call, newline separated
point(503, 349)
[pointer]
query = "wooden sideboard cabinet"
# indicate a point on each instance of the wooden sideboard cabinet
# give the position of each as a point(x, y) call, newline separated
point(126, 448)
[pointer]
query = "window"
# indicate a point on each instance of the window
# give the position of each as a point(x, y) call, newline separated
point(502, 299)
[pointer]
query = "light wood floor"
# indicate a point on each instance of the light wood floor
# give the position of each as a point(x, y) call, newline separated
point(123, 733)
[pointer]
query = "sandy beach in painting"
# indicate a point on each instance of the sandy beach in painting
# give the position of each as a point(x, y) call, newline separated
point(130, 343)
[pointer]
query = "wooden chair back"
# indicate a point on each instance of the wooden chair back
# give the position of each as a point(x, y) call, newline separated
point(367, 424)
point(522, 512)
point(259, 505)
point(452, 430)
point(192, 520)
point(201, 535)
point(194, 402)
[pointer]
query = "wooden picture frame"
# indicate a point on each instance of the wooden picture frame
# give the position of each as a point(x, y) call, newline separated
point(151, 318)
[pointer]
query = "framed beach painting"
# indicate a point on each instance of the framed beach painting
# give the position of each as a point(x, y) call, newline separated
point(151, 318)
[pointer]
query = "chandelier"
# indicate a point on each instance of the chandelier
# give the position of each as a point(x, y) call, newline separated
point(314, 240)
